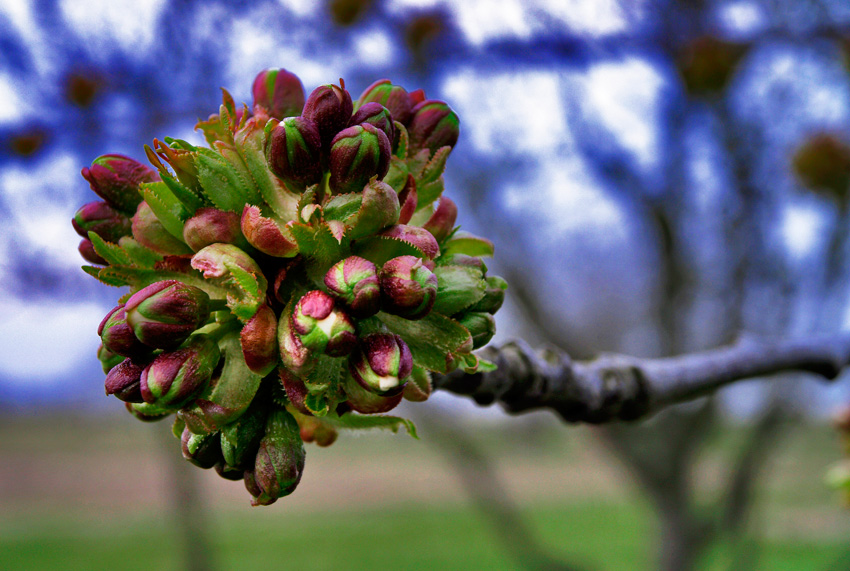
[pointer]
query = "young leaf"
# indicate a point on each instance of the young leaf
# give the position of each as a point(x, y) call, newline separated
point(220, 182)
point(364, 422)
point(466, 243)
point(433, 340)
point(458, 287)
point(168, 210)
point(112, 253)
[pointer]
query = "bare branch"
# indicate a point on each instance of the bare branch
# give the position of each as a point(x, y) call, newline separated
point(619, 387)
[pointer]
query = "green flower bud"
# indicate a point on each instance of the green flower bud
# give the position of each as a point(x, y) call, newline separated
point(280, 458)
point(294, 152)
point(165, 313)
point(376, 115)
point(357, 154)
point(382, 363)
point(434, 125)
point(279, 92)
point(354, 282)
point(366, 401)
point(175, 377)
point(103, 220)
point(408, 288)
point(494, 296)
point(149, 232)
point(124, 380)
point(321, 327)
point(481, 326)
point(108, 359)
point(116, 179)
point(241, 438)
point(394, 97)
point(416, 236)
point(118, 337)
point(146, 412)
point(202, 450)
point(229, 472)
point(213, 226)
point(330, 108)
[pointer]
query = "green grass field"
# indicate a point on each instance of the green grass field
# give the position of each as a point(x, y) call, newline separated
point(96, 495)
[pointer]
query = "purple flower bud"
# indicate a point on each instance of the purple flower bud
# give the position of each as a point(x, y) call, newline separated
point(149, 232)
point(280, 458)
point(259, 341)
point(229, 472)
point(108, 359)
point(408, 288)
point(416, 236)
point(175, 377)
point(382, 363)
point(103, 220)
point(494, 296)
point(394, 97)
point(367, 402)
point(295, 150)
point(117, 335)
point(434, 125)
point(266, 235)
point(116, 179)
point(165, 313)
point(357, 154)
point(376, 115)
point(296, 390)
point(330, 108)
point(86, 249)
point(213, 226)
point(442, 222)
point(321, 327)
point(202, 450)
point(481, 326)
point(279, 92)
point(124, 380)
point(354, 281)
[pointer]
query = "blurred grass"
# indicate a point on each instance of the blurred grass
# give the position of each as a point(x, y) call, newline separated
point(94, 494)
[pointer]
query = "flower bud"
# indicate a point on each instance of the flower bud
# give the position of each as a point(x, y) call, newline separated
point(124, 380)
point(149, 231)
point(294, 151)
point(442, 222)
point(367, 402)
point(330, 108)
point(279, 92)
point(376, 115)
point(165, 313)
point(321, 327)
point(86, 249)
point(408, 288)
point(174, 377)
point(280, 458)
point(202, 450)
point(354, 281)
point(481, 326)
point(394, 97)
point(357, 154)
point(116, 179)
point(229, 472)
point(259, 341)
point(382, 363)
point(241, 438)
point(103, 220)
point(108, 359)
point(416, 236)
point(494, 296)
point(213, 226)
point(434, 125)
point(118, 337)
point(266, 235)
point(312, 429)
point(146, 412)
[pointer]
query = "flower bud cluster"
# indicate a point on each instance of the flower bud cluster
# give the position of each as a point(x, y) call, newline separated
point(299, 276)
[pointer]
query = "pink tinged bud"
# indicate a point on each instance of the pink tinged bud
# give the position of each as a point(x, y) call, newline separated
point(118, 337)
point(175, 377)
point(108, 359)
point(165, 313)
point(124, 380)
point(434, 125)
point(103, 220)
point(481, 326)
point(86, 249)
point(416, 236)
point(357, 154)
point(494, 296)
point(367, 402)
point(259, 341)
point(382, 364)
point(394, 97)
point(149, 232)
point(280, 458)
point(266, 234)
point(442, 222)
point(376, 115)
point(202, 450)
point(354, 282)
point(408, 199)
point(296, 390)
point(116, 179)
point(321, 327)
point(416, 97)
point(408, 288)
point(279, 92)
point(293, 354)
point(213, 226)
point(330, 108)
point(294, 151)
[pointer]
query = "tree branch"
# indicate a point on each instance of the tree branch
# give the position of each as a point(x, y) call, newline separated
point(619, 387)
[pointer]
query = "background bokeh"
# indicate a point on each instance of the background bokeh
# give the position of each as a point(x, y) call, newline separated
point(634, 163)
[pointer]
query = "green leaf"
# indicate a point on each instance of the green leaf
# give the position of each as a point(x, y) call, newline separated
point(379, 249)
point(458, 287)
point(343, 206)
point(183, 193)
point(250, 142)
point(353, 421)
point(396, 176)
point(416, 164)
point(317, 404)
point(249, 187)
point(403, 141)
point(112, 253)
point(221, 183)
point(141, 256)
point(95, 272)
point(433, 340)
point(168, 210)
point(428, 192)
point(469, 244)
point(435, 167)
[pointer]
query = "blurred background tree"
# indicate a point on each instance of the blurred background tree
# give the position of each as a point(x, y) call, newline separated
point(659, 177)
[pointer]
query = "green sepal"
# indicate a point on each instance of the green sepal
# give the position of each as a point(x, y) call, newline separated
point(168, 210)
point(317, 404)
point(435, 341)
point(396, 176)
point(379, 249)
point(178, 425)
point(221, 183)
point(141, 256)
point(458, 287)
point(109, 280)
point(465, 243)
point(353, 421)
point(114, 254)
point(403, 141)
